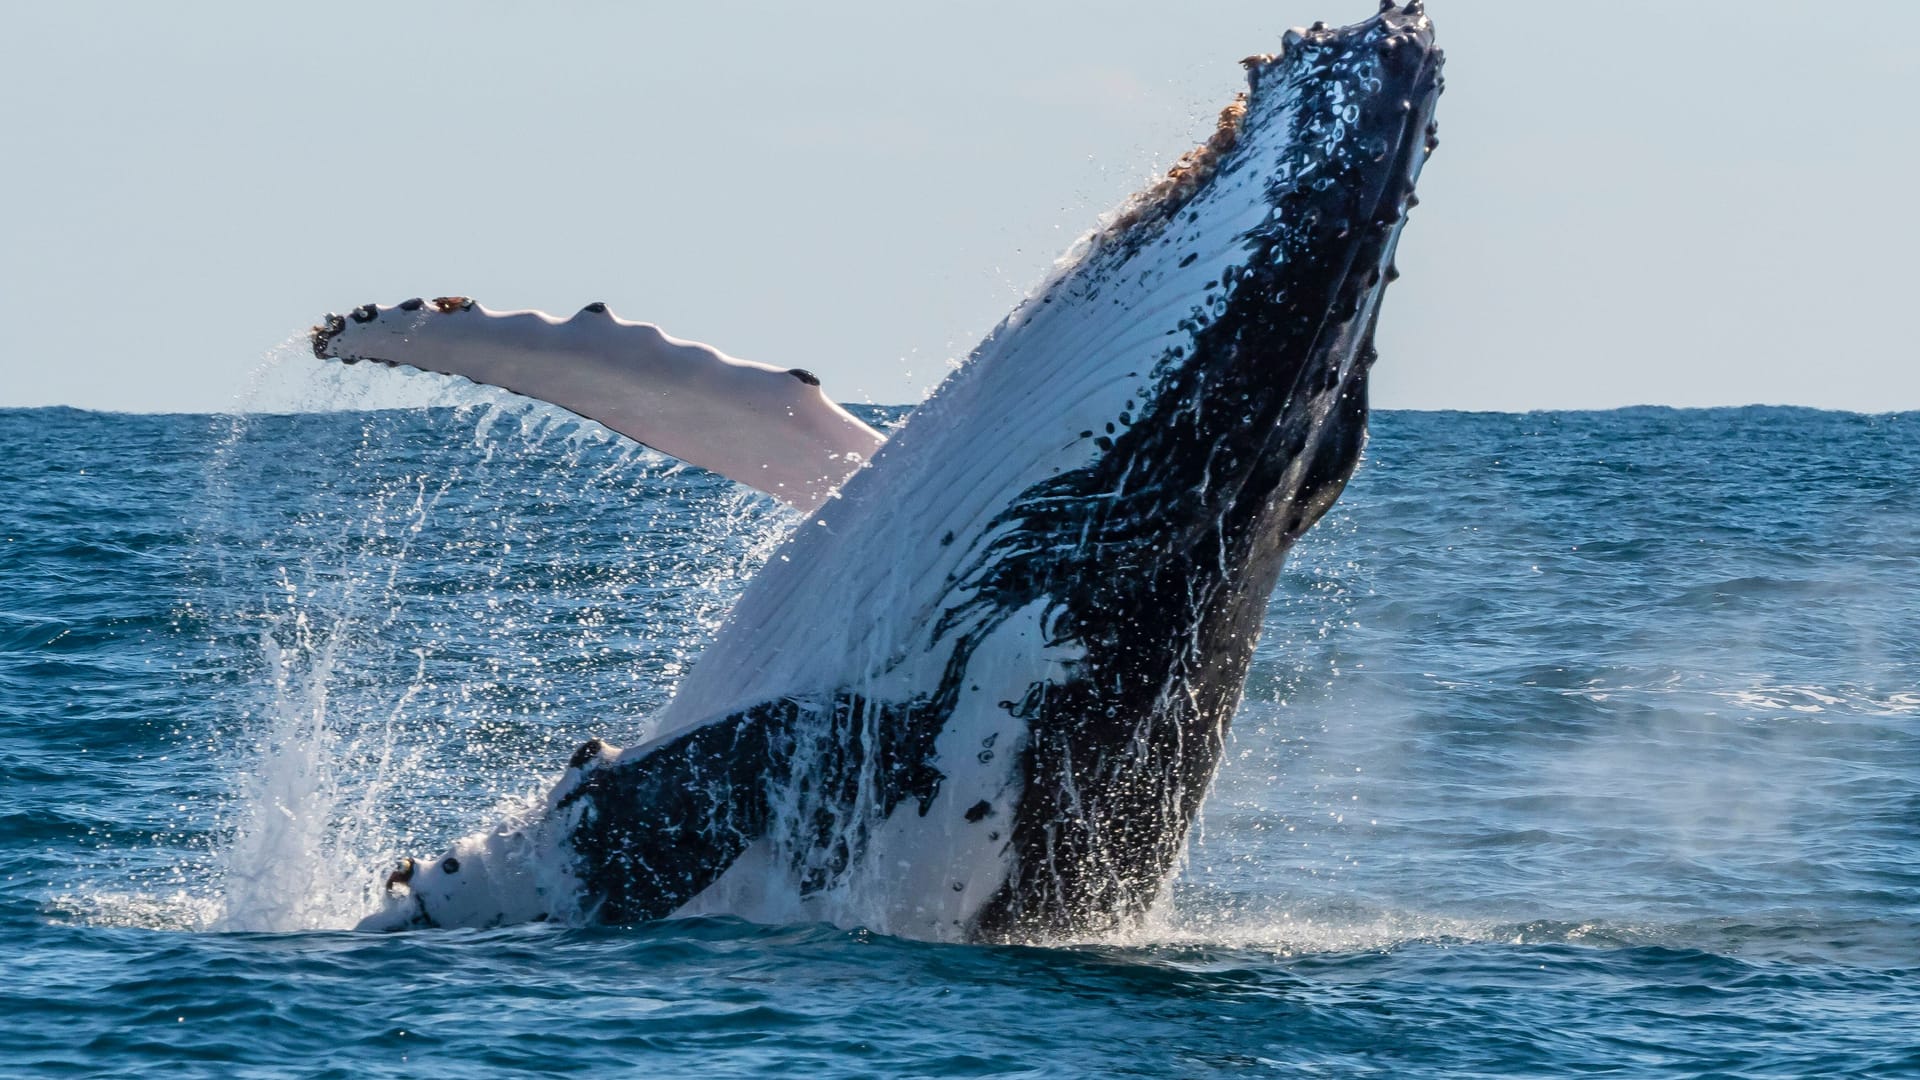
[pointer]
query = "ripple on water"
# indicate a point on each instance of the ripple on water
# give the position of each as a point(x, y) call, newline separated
point(1568, 749)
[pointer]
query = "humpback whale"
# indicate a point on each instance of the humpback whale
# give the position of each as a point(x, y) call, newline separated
point(982, 691)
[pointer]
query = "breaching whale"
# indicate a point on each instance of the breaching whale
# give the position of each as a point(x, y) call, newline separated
point(982, 690)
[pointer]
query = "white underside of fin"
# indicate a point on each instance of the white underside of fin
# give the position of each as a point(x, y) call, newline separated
point(767, 427)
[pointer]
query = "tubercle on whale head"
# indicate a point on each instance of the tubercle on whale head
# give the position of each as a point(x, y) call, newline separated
point(1375, 155)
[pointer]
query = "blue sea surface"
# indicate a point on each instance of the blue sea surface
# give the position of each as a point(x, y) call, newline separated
point(1577, 744)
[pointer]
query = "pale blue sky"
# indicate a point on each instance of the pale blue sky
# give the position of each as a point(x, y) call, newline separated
point(1684, 203)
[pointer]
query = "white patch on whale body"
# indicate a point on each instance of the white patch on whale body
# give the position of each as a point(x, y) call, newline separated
point(925, 875)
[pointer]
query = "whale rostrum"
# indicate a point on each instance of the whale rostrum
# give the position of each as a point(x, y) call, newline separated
point(984, 693)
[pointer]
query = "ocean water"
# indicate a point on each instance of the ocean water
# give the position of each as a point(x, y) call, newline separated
point(1578, 743)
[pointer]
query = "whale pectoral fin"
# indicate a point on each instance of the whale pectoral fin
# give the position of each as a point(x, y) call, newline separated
point(770, 428)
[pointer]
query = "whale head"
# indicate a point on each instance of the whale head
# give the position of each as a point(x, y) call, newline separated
point(1279, 236)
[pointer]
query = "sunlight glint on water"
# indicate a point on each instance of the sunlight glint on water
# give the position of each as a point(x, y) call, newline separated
point(1574, 743)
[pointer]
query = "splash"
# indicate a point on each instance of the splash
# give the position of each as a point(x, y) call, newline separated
point(422, 623)
point(305, 847)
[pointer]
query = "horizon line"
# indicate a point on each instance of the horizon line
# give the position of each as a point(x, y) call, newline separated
point(533, 403)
